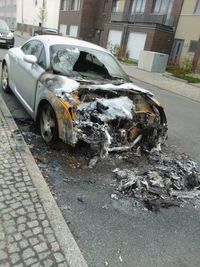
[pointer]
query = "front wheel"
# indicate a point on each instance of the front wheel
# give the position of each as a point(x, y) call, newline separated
point(4, 79)
point(48, 124)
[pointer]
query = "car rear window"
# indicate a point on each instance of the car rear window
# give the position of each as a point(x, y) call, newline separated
point(3, 26)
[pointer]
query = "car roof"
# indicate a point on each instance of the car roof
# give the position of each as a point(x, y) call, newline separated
point(55, 40)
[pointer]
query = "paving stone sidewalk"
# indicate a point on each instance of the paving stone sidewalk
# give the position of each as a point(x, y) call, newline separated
point(27, 233)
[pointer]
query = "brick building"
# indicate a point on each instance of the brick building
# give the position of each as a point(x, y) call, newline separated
point(129, 25)
point(137, 25)
point(84, 19)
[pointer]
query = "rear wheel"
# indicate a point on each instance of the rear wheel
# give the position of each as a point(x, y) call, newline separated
point(4, 79)
point(48, 124)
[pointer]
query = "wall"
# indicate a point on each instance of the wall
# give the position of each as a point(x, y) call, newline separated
point(165, 42)
point(90, 12)
point(8, 12)
point(31, 13)
point(188, 27)
point(196, 59)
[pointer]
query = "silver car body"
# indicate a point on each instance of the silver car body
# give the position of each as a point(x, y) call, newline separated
point(34, 83)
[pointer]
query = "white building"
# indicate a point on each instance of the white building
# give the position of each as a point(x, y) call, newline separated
point(29, 10)
point(8, 12)
point(16, 11)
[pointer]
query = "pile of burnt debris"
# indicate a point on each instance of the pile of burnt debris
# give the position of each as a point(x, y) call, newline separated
point(166, 182)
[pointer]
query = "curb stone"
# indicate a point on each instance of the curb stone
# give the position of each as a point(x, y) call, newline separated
point(66, 240)
point(166, 75)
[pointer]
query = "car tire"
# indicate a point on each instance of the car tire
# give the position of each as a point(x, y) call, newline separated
point(48, 124)
point(5, 79)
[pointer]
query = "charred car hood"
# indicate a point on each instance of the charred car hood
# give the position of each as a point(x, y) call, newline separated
point(109, 117)
point(124, 86)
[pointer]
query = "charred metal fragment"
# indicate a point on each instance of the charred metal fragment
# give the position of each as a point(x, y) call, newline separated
point(168, 182)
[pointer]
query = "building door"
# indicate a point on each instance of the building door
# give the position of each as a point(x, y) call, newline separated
point(136, 43)
point(73, 31)
point(176, 50)
point(114, 40)
point(63, 29)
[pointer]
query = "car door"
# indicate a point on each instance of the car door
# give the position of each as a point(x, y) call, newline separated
point(28, 74)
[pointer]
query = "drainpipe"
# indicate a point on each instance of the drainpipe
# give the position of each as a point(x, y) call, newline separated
point(5, 10)
point(196, 59)
point(124, 38)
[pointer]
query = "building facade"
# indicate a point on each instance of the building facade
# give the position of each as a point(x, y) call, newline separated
point(186, 45)
point(28, 14)
point(8, 11)
point(127, 26)
point(137, 25)
point(84, 19)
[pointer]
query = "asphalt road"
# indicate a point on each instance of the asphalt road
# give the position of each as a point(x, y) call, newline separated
point(183, 120)
point(111, 231)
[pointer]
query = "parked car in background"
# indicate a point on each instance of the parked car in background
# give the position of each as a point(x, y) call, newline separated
point(76, 90)
point(45, 31)
point(6, 36)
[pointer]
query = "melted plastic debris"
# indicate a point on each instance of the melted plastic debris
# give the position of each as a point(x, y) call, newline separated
point(167, 182)
point(110, 109)
point(116, 119)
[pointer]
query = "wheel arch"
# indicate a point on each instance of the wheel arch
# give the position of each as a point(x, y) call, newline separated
point(6, 61)
point(39, 109)
point(63, 119)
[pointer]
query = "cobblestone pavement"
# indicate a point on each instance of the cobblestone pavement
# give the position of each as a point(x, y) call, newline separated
point(26, 236)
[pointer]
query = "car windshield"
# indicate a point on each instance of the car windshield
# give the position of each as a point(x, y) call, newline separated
point(85, 63)
point(3, 26)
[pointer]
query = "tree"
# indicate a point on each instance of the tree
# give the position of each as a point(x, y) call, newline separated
point(43, 14)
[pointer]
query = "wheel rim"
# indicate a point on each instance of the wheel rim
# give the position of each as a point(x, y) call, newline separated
point(47, 124)
point(4, 79)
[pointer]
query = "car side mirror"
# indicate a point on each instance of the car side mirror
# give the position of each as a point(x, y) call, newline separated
point(30, 59)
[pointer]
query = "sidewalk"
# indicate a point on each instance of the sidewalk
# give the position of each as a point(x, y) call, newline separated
point(32, 230)
point(25, 35)
point(160, 80)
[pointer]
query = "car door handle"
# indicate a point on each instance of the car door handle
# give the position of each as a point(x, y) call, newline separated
point(17, 61)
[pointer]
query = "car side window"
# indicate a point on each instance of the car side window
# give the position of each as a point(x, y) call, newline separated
point(27, 48)
point(42, 59)
point(35, 48)
point(91, 58)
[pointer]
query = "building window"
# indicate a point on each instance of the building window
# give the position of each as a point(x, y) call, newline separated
point(76, 5)
point(115, 6)
point(197, 8)
point(138, 6)
point(161, 6)
point(193, 46)
point(64, 5)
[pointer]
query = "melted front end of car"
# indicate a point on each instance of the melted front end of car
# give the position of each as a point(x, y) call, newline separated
point(113, 118)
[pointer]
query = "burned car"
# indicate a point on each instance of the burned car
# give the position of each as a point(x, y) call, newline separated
point(76, 90)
